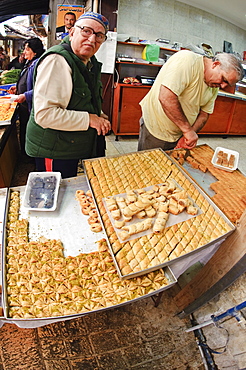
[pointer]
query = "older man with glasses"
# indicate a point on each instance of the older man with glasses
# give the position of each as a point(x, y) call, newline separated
point(66, 122)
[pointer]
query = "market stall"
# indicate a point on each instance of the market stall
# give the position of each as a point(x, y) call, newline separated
point(103, 272)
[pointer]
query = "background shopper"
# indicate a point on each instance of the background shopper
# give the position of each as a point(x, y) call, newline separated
point(33, 49)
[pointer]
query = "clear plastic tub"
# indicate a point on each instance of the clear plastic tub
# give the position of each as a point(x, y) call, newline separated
point(42, 191)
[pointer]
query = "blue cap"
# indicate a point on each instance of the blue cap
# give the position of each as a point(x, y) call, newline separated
point(96, 17)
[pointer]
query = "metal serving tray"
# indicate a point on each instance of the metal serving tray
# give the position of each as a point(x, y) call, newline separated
point(167, 272)
point(66, 223)
point(180, 258)
point(3, 199)
point(62, 224)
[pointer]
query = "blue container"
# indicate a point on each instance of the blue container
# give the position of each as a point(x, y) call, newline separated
point(5, 87)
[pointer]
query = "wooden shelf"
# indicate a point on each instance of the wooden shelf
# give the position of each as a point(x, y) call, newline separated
point(143, 45)
point(149, 64)
point(133, 86)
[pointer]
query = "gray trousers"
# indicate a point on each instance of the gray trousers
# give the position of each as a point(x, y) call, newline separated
point(148, 141)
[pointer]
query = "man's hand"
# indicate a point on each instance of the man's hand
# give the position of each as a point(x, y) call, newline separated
point(182, 143)
point(190, 139)
point(101, 124)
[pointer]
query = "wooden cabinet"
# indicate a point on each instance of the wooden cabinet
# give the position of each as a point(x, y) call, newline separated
point(127, 111)
point(238, 120)
point(9, 149)
point(229, 116)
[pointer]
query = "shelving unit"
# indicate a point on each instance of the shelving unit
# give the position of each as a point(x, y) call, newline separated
point(126, 108)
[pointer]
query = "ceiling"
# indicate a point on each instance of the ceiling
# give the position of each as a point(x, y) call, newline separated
point(233, 11)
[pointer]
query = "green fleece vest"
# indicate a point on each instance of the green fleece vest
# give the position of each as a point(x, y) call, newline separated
point(57, 144)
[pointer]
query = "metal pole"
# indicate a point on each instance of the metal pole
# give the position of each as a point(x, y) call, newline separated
point(205, 351)
point(231, 312)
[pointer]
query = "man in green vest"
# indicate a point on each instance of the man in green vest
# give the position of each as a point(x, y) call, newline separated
point(66, 122)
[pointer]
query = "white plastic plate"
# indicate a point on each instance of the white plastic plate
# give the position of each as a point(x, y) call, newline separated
point(228, 152)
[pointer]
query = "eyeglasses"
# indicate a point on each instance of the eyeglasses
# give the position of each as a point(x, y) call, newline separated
point(87, 32)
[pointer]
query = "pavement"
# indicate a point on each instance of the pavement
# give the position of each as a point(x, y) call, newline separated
point(134, 336)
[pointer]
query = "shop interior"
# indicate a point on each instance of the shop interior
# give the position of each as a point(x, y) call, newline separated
point(198, 319)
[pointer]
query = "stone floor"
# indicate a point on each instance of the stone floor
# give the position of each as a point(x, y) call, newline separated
point(135, 336)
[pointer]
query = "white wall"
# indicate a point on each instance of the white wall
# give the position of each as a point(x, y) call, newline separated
point(176, 21)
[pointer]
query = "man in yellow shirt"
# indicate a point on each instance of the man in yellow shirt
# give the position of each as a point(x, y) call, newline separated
point(182, 98)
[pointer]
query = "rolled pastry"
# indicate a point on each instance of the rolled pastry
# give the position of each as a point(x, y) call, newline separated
point(160, 222)
point(150, 211)
point(163, 206)
point(120, 202)
point(179, 195)
point(141, 214)
point(116, 214)
point(119, 224)
point(111, 204)
point(131, 196)
point(136, 207)
point(173, 207)
point(138, 227)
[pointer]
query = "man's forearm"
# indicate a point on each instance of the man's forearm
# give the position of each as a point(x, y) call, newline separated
point(200, 121)
point(173, 109)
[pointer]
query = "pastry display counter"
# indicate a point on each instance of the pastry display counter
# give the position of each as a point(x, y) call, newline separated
point(78, 263)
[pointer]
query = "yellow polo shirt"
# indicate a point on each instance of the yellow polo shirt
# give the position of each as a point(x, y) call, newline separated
point(183, 74)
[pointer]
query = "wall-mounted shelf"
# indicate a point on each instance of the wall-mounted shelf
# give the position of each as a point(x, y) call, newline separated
point(143, 45)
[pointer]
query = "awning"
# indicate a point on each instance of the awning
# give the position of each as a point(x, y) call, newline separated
point(12, 8)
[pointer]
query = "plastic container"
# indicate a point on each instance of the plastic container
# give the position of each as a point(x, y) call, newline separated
point(8, 98)
point(229, 152)
point(42, 191)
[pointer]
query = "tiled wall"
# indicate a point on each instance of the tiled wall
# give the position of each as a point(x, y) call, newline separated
point(178, 22)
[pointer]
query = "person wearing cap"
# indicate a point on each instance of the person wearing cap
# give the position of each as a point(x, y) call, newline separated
point(33, 49)
point(66, 123)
